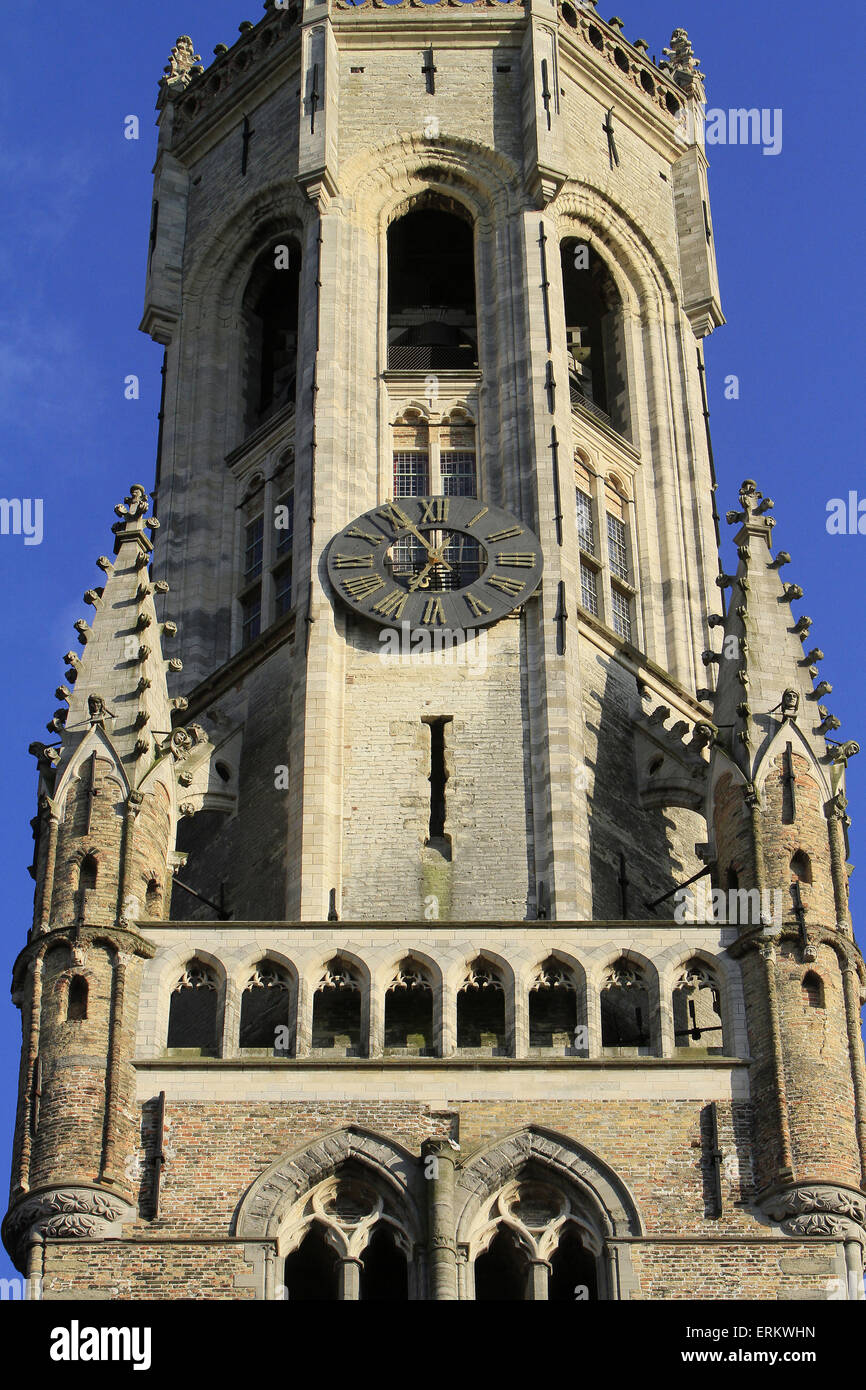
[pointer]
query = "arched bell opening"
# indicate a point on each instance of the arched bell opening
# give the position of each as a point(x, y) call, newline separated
point(432, 324)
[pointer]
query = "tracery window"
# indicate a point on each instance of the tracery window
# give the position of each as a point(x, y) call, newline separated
point(349, 1243)
point(625, 1008)
point(553, 1009)
point(481, 1008)
point(409, 1010)
point(536, 1242)
point(697, 1009)
point(337, 1008)
point(265, 1006)
point(192, 1019)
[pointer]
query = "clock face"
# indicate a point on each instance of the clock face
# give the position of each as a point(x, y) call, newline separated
point(435, 562)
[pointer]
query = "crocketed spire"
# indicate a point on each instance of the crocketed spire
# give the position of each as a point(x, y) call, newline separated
point(115, 743)
point(765, 675)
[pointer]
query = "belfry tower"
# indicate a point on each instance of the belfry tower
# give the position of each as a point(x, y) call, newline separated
point(379, 954)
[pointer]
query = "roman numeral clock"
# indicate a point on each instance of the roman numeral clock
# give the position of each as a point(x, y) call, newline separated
point(435, 562)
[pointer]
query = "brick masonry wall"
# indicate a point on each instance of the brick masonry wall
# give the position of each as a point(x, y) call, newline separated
point(817, 1068)
point(141, 1271)
point(215, 1152)
point(807, 833)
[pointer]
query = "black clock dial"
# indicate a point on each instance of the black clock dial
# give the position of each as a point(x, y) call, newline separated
point(435, 563)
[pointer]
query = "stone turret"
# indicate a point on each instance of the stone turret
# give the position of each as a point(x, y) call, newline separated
point(777, 817)
point(111, 791)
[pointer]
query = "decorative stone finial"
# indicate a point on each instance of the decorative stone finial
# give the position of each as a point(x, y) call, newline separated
point(181, 62)
point(680, 60)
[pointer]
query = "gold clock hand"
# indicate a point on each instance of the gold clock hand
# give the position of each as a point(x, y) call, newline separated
point(420, 581)
point(414, 529)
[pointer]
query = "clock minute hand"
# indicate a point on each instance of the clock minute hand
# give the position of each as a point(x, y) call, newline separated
point(414, 529)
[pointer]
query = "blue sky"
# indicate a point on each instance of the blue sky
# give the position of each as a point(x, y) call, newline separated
point(73, 241)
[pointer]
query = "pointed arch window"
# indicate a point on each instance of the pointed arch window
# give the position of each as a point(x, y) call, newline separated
point(337, 1008)
point(537, 1242)
point(595, 336)
point(481, 1009)
point(625, 1009)
point(384, 1270)
point(270, 315)
point(573, 1269)
point(502, 1270)
point(697, 1010)
point(553, 1007)
point(409, 1011)
point(801, 867)
point(310, 1271)
point(192, 1019)
point(265, 1007)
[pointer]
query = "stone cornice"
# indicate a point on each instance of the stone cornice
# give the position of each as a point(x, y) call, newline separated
point(334, 929)
point(452, 1063)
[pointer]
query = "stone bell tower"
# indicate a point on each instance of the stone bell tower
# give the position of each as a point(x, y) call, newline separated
point(438, 515)
point(377, 275)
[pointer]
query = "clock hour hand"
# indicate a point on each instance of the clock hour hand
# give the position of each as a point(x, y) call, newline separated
point(420, 581)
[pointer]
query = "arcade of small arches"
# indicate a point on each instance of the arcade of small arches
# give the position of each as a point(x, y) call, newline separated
point(336, 1010)
point(529, 1218)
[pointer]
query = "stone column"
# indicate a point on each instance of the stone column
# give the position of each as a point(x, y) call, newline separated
point(539, 1281)
point(854, 1269)
point(438, 1158)
point(349, 1280)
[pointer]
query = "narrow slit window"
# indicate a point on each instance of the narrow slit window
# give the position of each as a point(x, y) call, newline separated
point(87, 873)
point(812, 991)
point(438, 778)
point(76, 1003)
